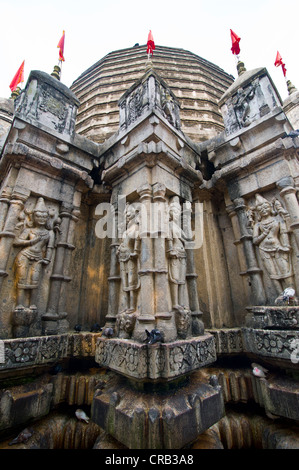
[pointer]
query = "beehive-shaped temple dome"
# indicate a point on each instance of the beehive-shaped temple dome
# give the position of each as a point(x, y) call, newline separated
point(197, 83)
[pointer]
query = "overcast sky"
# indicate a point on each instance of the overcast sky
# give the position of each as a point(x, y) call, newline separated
point(31, 29)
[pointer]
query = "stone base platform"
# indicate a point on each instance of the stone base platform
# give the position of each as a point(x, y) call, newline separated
point(160, 420)
point(156, 362)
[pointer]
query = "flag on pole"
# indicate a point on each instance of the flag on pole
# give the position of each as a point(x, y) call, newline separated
point(235, 43)
point(150, 44)
point(18, 78)
point(278, 62)
point(61, 47)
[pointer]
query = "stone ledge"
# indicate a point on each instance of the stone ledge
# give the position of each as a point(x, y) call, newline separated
point(158, 361)
point(281, 317)
point(41, 350)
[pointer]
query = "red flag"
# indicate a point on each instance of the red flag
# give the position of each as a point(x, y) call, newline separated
point(278, 62)
point(18, 78)
point(235, 43)
point(150, 44)
point(61, 47)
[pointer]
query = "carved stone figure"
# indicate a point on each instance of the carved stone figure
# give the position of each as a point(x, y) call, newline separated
point(241, 104)
point(176, 254)
point(135, 105)
point(170, 109)
point(37, 242)
point(128, 253)
point(270, 235)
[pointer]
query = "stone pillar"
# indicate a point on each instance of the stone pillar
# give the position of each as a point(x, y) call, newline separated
point(114, 277)
point(258, 296)
point(191, 277)
point(51, 318)
point(7, 235)
point(146, 318)
point(69, 248)
point(238, 243)
point(165, 320)
point(288, 194)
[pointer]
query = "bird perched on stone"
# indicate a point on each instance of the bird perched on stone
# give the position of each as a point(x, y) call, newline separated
point(108, 332)
point(95, 328)
point(22, 437)
point(154, 336)
point(258, 371)
point(78, 328)
point(213, 381)
point(287, 296)
point(81, 415)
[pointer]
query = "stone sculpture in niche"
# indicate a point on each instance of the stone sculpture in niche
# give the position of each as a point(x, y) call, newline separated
point(128, 256)
point(37, 241)
point(135, 105)
point(242, 106)
point(170, 109)
point(270, 235)
point(176, 252)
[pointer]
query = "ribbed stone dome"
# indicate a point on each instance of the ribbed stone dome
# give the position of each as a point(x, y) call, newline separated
point(197, 83)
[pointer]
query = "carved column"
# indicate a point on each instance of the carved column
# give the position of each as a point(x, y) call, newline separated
point(52, 316)
point(69, 248)
point(257, 290)
point(114, 277)
point(7, 235)
point(238, 243)
point(191, 277)
point(146, 318)
point(165, 320)
point(288, 193)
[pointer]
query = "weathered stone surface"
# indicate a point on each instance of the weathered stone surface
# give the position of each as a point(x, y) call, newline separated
point(157, 361)
point(279, 344)
point(119, 70)
point(163, 420)
point(273, 317)
point(28, 352)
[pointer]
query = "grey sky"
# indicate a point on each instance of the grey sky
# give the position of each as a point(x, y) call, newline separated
point(31, 30)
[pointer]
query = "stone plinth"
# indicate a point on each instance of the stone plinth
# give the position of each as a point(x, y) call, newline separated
point(282, 317)
point(165, 420)
point(157, 361)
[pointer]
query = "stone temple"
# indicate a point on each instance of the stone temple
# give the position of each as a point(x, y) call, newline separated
point(149, 245)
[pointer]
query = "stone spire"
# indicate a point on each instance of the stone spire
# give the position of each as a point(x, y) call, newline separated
point(56, 72)
point(291, 87)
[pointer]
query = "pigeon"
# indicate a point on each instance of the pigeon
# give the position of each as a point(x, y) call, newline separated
point(154, 336)
point(22, 437)
point(108, 332)
point(81, 415)
point(95, 328)
point(258, 370)
point(213, 381)
point(288, 293)
point(78, 328)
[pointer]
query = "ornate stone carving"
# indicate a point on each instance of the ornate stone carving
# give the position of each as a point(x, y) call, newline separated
point(128, 256)
point(175, 248)
point(270, 235)
point(37, 241)
point(135, 104)
point(125, 323)
point(160, 360)
point(241, 103)
point(170, 108)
